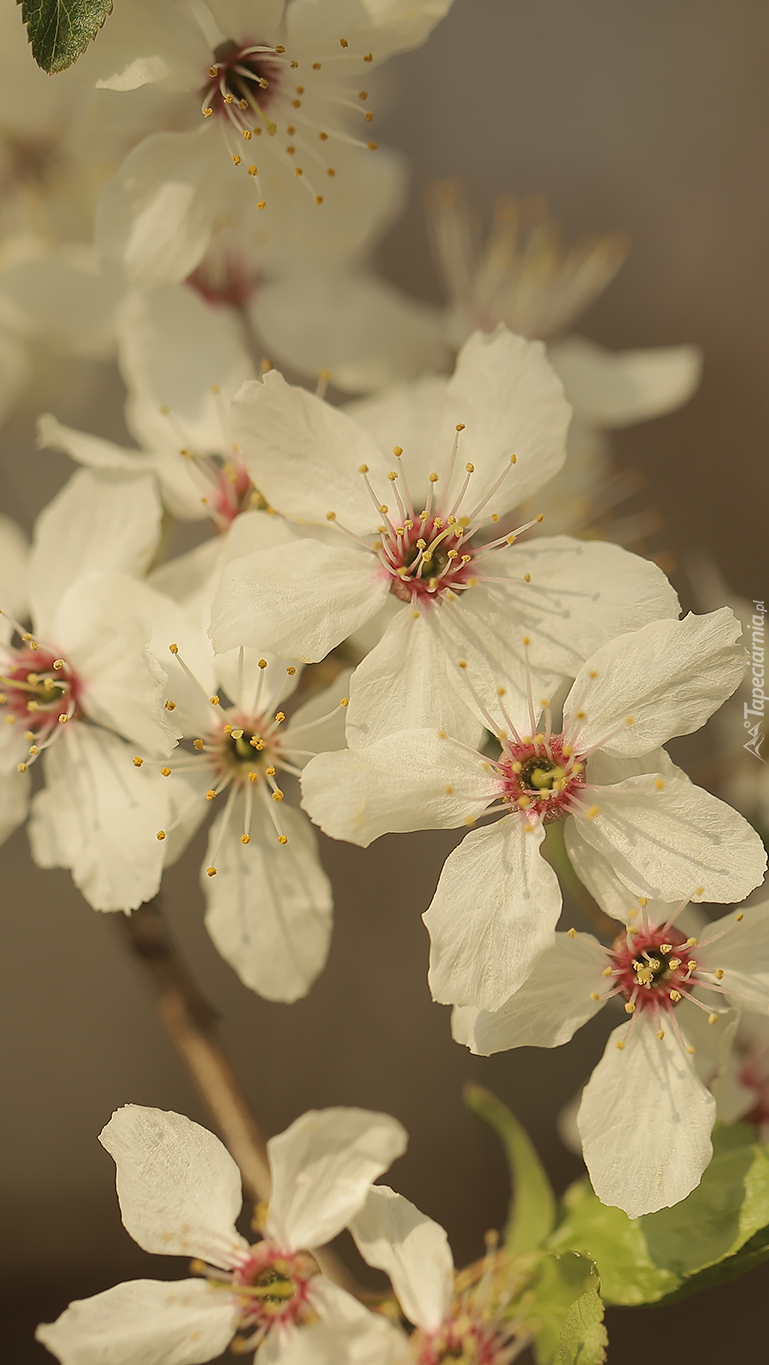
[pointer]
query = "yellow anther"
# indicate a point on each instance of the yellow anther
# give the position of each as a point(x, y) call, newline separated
point(572, 933)
point(165, 772)
point(210, 794)
point(236, 161)
point(719, 974)
point(629, 1007)
point(58, 663)
point(22, 767)
point(291, 670)
point(660, 1033)
point(392, 475)
point(280, 716)
point(449, 790)
point(674, 964)
point(592, 812)
point(690, 943)
point(712, 1018)
point(384, 509)
point(594, 995)
point(170, 705)
point(629, 720)
point(247, 134)
point(659, 784)
point(398, 451)
point(245, 838)
point(470, 468)
point(236, 734)
point(161, 834)
point(739, 916)
point(282, 838)
point(433, 478)
point(607, 971)
point(675, 996)
point(270, 772)
point(253, 777)
point(174, 649)
point(211, 871)
point(198, 744)
point(666, 948)
point(213, 700)
point(277, 795)
point(692, 966)
point(207, 112)
point(63, 718)
point(690, 1049)
point(372, 146)
point(526, 641)
point(620, 1045)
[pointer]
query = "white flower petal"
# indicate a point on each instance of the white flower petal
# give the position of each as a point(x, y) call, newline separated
point(103, 628)
point(98, 815)
point(304, 455)
point(144, 1322)
point(62, 296)
point(410, 415)
point(581, 595)
point(298, 600)
point(178, 354)
point(494, 910)
point(327, 724)
point(548, 1008)
point(384, 28)
point(669, 676)
point(618, 388)
point(322, 1167)
point(373, 1341)
point(414, 779)
point(14, 801)
point(93, 451)
point(269, 906)
point(512, 403)
point(393, 1235)
point(743, 955)
point(362, 330)
point(147, 43)
point(666, 843)
point(99, 521)
point(14, 555)
point(645, 1121)
point(409, 680)
point(179, 1188)
point(155, 217)
point(597, 874)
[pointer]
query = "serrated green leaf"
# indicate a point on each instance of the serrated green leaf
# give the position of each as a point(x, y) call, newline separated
point(563, 1279)
point(583, 1339)
point(532, 1205)
point(60, 30)
point(659, 1256)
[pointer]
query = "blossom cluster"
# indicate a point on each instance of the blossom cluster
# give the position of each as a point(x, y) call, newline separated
point(413, 607)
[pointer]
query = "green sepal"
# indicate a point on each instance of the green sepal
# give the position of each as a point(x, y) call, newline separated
point(532, 1205)
point(60, 30)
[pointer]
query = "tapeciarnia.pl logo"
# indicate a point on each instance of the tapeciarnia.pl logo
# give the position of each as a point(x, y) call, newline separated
point(758, 699)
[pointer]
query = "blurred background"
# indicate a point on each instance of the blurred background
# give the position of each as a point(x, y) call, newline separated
point(650, 117)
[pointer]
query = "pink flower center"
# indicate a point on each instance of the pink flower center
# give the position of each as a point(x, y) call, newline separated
point(653, 967)
point(39, 689)
point(541, 776)
point(464, 1339)
point(224, 278)
point(233, 495)
point(426, 558)
point(244, 748)
point(272, 1288)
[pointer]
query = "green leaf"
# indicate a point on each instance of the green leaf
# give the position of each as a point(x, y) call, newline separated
point(664, 1254)
point(532, 1206)
point(563, 1311)
point(60, 30)
point(583, 1339)
point(616, 1244)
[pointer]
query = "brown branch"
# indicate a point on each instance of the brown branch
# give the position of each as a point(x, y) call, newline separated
point(191, 1024)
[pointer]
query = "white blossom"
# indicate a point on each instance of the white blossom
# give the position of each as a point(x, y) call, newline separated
point(180, 1194)
point(473, 447)
point(83, 686)
point(625, 804)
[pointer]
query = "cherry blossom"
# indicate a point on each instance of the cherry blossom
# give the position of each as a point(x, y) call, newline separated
point(625, 804)
point(180, 1194)
point(82, 687)
point(474, 447)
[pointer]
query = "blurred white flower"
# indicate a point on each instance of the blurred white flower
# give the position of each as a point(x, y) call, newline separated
point(524, 275)
point(649, 1155)
point(469, 450)
point(624, 802)
point(182, 363)
point(82, 682)
point(180, 1194)
point(280, 87)
point(393, 1235)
